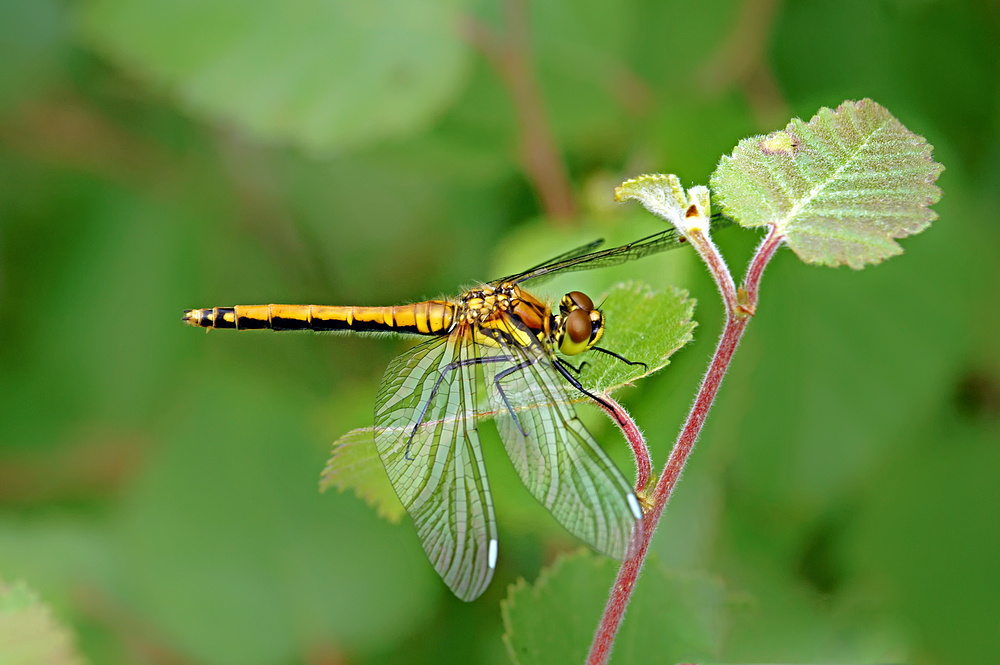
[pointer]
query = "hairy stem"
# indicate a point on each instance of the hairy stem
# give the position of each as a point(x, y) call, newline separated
point(643, 463)
point(738, 314)
point(716, 266)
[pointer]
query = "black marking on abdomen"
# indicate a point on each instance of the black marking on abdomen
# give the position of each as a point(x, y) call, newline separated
point(284, 323)
point(248, 323)
point(219, 318)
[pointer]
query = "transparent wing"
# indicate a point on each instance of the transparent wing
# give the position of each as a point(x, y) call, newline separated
point(437, 468)
point(582, 259)
point(566, 256)
point(558, 460)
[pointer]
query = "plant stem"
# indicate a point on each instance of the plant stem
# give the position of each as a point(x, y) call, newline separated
point(643, 463)
point(716, 266)
point(740, 307)
point(751, 284)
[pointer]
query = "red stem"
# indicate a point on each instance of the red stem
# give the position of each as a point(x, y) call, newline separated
point(716, 266)
point(751, 285)
point(643, 463)
point(738, 315)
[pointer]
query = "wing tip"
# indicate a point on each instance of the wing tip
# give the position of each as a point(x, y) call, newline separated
point(633, 504)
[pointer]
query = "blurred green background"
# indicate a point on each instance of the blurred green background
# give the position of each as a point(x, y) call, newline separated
point(158, 486)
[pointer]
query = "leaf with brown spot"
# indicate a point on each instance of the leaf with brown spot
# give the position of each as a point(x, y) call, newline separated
point(841, 188)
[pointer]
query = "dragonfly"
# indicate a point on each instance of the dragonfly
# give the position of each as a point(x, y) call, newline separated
point(426, 408)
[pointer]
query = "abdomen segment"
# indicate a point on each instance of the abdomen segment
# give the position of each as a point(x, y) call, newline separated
point(431, 317)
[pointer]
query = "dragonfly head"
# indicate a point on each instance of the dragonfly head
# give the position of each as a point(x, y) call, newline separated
point(579, 324)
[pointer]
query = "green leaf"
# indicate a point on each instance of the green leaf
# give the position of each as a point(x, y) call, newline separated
point(642, 326)
point(839, 188)
point(28, 633)
point(672, 618)
point(664, 196)
point(326, 75)
point(354, 463)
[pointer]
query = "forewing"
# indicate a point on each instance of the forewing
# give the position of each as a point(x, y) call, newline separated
point(613, 256)
point(437, 469)
point(558, 460)
point(580, 260)
point(575, 253)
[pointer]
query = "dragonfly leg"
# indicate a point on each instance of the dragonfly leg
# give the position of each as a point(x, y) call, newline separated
point(621, 358)
point(447, 369)
point(510, 410)
point(576, 384)
point(569, 365)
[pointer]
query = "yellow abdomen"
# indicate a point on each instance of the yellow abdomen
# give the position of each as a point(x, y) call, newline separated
point(431, 317)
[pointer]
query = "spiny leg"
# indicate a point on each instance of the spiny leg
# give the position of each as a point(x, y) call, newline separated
point(568, 365)
point(621, 358)
point(576, 384)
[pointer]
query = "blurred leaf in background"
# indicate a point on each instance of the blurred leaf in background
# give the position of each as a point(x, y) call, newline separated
point(158, 486)
point(28, 634)
point(680, 617)
point(320, 74)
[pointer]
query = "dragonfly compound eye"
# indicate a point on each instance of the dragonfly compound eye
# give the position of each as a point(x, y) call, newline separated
point(576, 333)
point(581, 300)
point(573, 301)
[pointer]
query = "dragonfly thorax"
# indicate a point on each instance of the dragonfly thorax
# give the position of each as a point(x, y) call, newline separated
point(485, 303)
point(579, 325)
point(505, 311)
